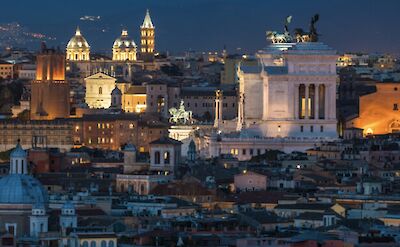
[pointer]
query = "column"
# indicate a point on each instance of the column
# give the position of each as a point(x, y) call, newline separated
point(218, 108)
point(316, 105)
point(296, 101)
point(240, 112)
point(327, 96)
point(332, 110)
point(307, 96)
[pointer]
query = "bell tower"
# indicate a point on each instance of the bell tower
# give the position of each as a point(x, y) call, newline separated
point(50, 90)
point(147, 34)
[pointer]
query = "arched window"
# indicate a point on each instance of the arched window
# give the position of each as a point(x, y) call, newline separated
point(85, 244)
point(76, 56)
point(110, 243)
point(166, 157)
point(93, 244)
point(103, 243)
point(157, 157)
point(100, 90)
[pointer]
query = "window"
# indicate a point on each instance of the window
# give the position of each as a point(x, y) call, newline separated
point(302, 128)
point(11, 228)
point(93, 244)
point(100, 90)
point(85, 244)
point(321, 129)
point(251, 151)
point(311, 128)
point(157, 157)
point(395, 107)
point(166, 157)
point(103, 243)
point(244, 152)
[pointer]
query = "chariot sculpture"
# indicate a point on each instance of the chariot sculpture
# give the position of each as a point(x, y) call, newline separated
point(299, 34)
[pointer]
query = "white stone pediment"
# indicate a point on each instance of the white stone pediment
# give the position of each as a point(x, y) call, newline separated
point(100, 75)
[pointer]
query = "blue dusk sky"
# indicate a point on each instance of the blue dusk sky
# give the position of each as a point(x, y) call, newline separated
point(208, 25)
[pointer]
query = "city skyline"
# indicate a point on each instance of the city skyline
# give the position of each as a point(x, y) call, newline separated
point(210, 25)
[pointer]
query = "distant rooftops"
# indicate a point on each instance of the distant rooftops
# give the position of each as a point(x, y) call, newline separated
point(166, 140)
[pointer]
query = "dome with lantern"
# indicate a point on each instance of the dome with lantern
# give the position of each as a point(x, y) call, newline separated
point(78, 48)
point(124, 48)
point(19, 188)
point(124, 41)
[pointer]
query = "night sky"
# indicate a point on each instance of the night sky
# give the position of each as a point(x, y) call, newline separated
point(208, 25)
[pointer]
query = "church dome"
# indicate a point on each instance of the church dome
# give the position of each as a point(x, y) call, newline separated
point(78, 41)
point(124, 41)
point(22, 189)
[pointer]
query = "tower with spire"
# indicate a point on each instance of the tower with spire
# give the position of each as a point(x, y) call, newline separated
point(147, 34)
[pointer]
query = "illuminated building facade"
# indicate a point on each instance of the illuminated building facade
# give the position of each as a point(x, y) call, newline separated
point(50, 90)
point(37, 133)
point(6, 70)
point(147, 31)
point(124, 48)
point(296, 84)
point(287, 102)
point(111, 131)
point(98, 90)
point(134, 99)
point(78, 48)
point(379, 111)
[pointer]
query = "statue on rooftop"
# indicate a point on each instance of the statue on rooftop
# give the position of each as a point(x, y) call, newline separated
point(284, 37)
point(180, 115)
point(311, 36)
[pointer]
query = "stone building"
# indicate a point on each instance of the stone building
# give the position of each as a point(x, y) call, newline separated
point(134, 99)
point(379, 111)
point(6, 70)
point(165, 154)
point(292, 93)
point(111, 131)
point(98, 90)
point(50, 90)
point(36, 133)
